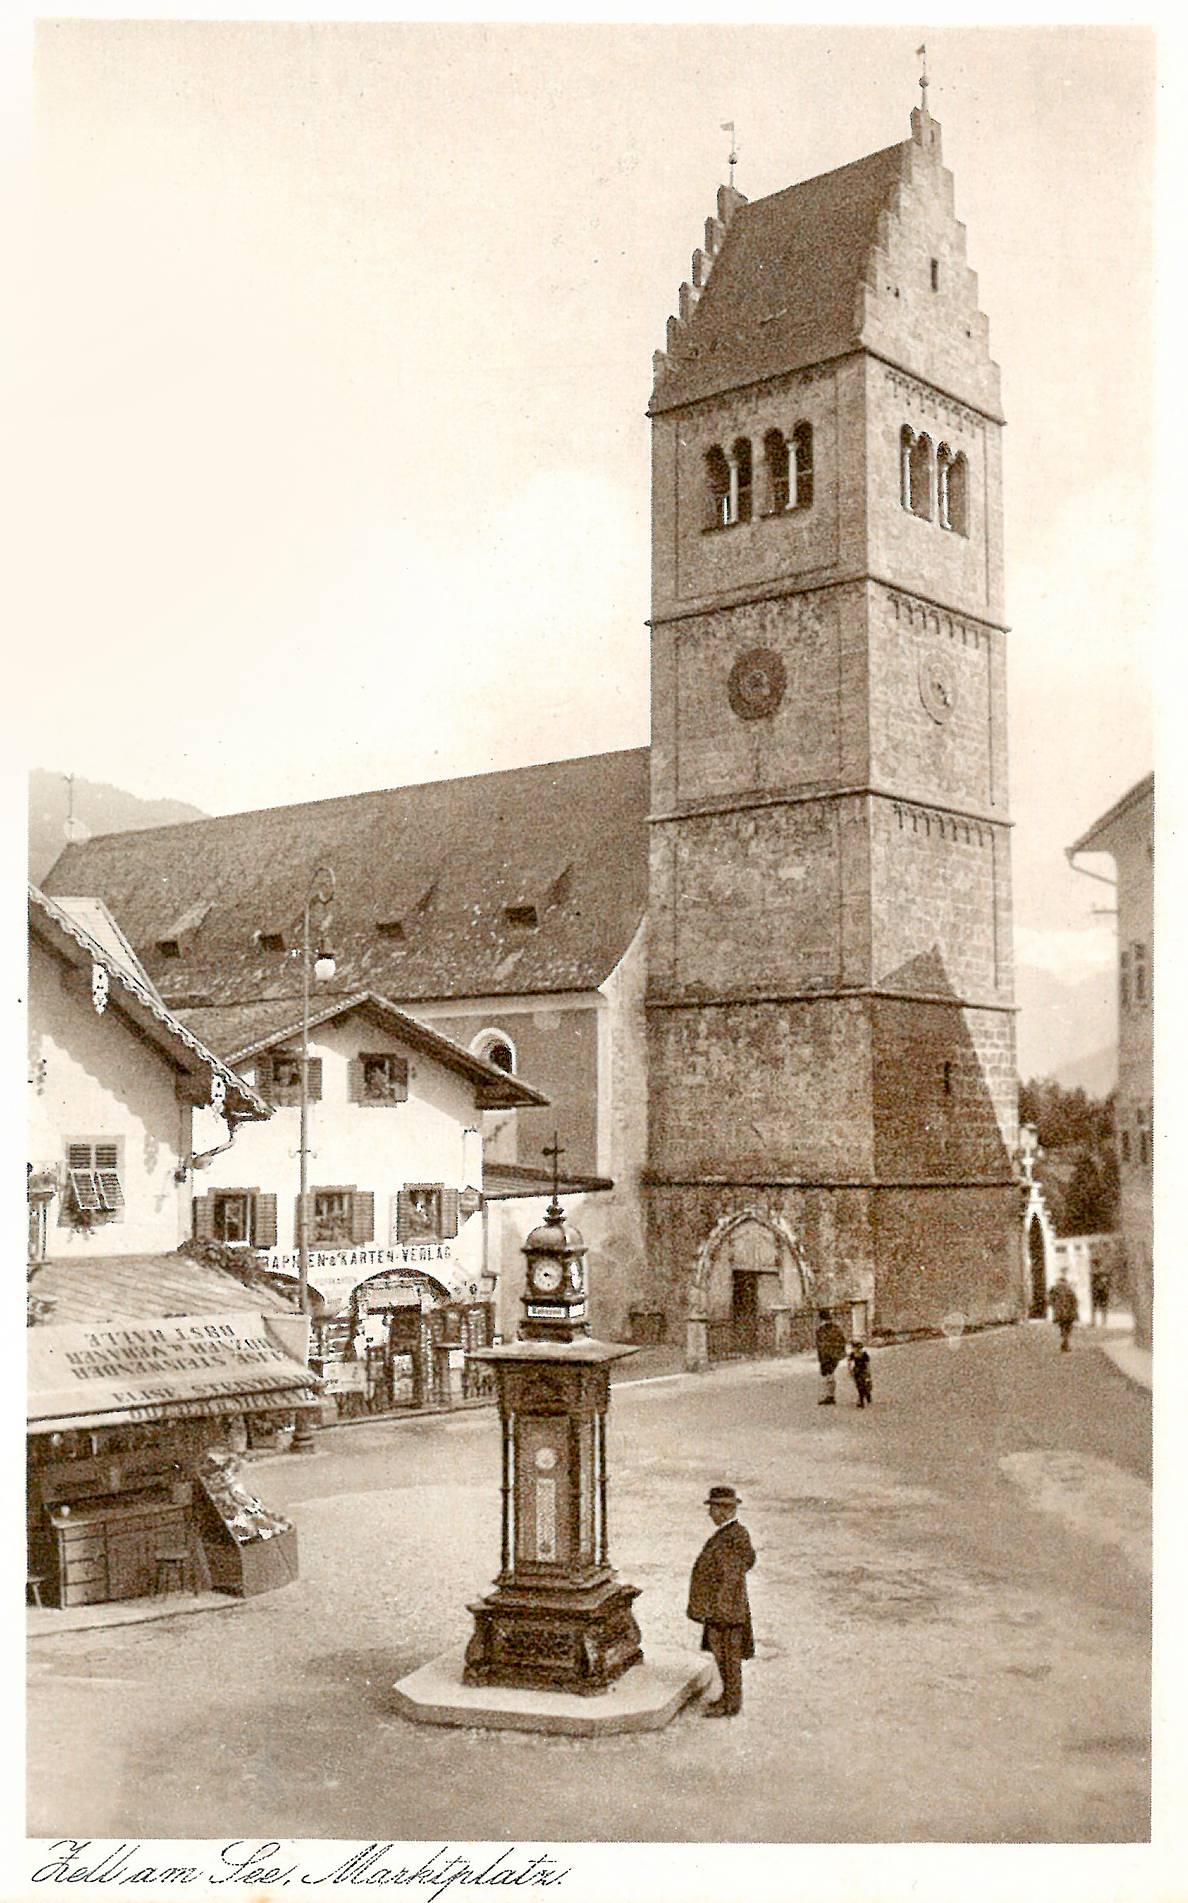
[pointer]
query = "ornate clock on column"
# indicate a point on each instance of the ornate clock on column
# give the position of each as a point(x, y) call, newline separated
point(559, 1617)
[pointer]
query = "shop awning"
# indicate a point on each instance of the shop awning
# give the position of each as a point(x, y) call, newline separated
point(160, 1369)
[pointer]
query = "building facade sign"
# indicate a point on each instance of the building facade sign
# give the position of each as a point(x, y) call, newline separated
point(337, 1273)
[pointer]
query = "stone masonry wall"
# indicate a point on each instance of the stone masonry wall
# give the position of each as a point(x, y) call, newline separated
point(936, 921)
point(950, 750)
point(944, 1092)
point(946, 1252)
point(764, 1090)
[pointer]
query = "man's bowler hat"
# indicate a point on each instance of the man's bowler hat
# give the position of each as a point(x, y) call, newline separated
point(722, 1497)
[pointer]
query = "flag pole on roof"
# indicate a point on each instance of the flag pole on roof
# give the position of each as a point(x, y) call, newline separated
point(728, 126)
point(922, 56)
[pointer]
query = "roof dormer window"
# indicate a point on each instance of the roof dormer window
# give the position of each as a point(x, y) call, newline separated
point(524, 917)
point(270, 941)
point(169, 948)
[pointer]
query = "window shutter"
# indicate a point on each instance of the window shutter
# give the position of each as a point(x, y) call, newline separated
point(264, 1222)
point(315, 1080)
point(362, 1215)
point(354, 1080)
point(398, 1067)
point(449, 1212)
point(204, 1218)
point(402, 1213)
point(264, 1074)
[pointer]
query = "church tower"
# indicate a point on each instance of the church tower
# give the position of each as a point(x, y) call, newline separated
point(832, 1091)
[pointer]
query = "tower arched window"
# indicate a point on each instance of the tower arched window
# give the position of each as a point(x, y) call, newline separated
point(906, 439)
point(944, 462)
point(958, 495)
point(776, 461)
point(742, 479)
point(717, 484)
point(920, 472)
point(802, 439)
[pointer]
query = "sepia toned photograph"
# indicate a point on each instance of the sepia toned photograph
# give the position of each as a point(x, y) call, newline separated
point(590, 989)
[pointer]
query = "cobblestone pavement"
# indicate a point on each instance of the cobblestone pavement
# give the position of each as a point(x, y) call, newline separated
point(951, 1602)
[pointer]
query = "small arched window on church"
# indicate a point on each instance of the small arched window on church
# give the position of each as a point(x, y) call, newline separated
point(775, 459)
point(921, 478)
point(717, 489)
point(802, 439)
point(495, 1047)
point(743, 479)
point(957, 487)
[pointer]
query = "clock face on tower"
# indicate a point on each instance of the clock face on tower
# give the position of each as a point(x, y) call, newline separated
point(937, 689)
point(757, 683)
point(546, 1277)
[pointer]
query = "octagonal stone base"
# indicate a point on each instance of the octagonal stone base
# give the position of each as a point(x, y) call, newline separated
point(644, 1699)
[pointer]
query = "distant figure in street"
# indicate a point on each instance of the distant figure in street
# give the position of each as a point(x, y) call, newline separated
point(831, 1348)
point(1099, 1293)
point(718, 1599)
point(1063, 1301)
point(860, 1370)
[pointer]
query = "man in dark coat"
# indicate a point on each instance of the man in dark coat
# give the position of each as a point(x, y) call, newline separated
point(1064, 1308)
point(1099, 1291)
point(831, 1348)
point(718, 1599)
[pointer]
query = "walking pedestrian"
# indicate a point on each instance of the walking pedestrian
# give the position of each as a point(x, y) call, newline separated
point(1063, 1301)
point(831, 1348)
point(718, 1599)
point(1099, 1294)
point(860, 1370)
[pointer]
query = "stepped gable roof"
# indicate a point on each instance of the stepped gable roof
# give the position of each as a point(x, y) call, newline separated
point(242, 1031)
point(784, 288)
point(140, 1004)
point(96, 1290)
point(533, 879)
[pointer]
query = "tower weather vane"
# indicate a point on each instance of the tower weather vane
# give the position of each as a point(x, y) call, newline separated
point(728, 126)
point(922, 56)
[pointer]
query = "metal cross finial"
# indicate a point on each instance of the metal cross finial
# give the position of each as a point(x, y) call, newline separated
point(556, 1150)
point(922, 56)
point(728, 126)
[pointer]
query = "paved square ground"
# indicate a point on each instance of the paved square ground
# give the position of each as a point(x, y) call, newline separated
point(951, 1603)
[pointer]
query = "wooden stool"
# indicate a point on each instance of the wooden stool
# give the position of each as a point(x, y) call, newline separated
point(33, 1586)
point(171, 1570)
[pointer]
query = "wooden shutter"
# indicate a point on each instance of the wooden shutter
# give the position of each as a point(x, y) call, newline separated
point(264, 1074)
point(204, 1218)
point(362, 1215)
point(402, 1215)
point(264, 1222)
point(315, 1080)
point(398, 1069)
point(354, 1080)
point(449, 1212)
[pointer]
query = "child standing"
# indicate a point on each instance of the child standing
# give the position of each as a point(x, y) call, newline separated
point(859, 1361)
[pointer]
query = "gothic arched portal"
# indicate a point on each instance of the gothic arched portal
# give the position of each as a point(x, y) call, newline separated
point(749, 1284)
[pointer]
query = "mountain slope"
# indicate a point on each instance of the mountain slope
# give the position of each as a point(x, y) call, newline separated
point(99, 807)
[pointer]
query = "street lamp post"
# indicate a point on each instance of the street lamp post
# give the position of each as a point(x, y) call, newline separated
point(321, 892)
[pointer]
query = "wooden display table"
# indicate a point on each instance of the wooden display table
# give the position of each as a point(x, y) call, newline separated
point(109, 1547)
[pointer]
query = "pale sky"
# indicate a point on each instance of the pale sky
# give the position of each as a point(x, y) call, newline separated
point(344, 348)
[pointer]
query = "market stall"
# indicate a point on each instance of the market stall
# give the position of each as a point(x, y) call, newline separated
point(124, 1499)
